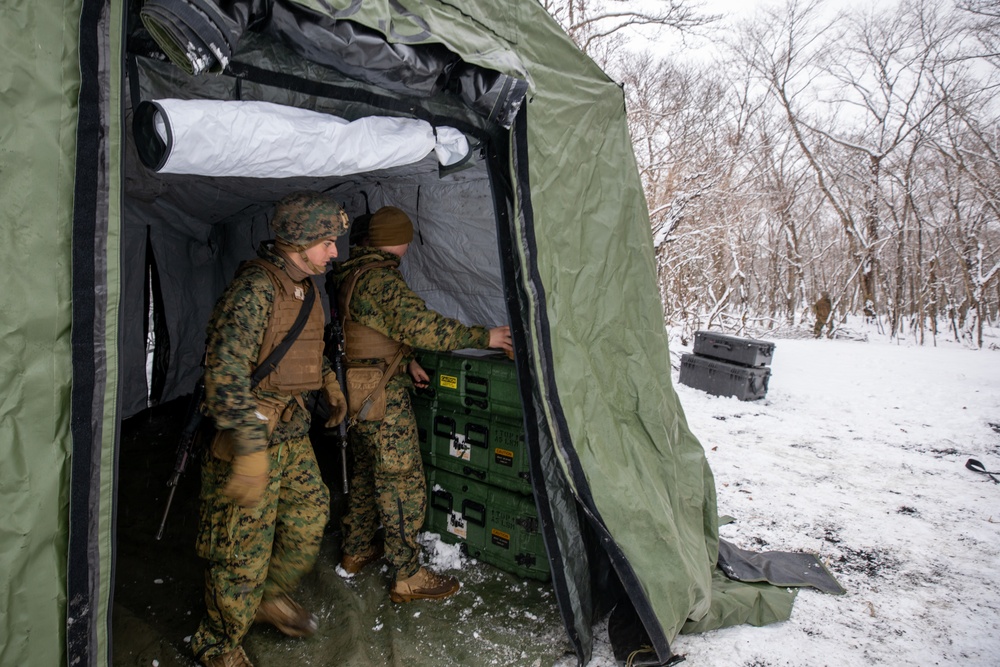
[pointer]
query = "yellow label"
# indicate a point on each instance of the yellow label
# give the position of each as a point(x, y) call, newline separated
point(448, 381)
point(504, 452)
point(499, 533)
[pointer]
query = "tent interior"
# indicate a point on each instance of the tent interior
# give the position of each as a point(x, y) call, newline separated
point(183, 238)
point(185, 235)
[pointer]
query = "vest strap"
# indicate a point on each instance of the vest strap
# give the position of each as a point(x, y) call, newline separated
point(283, 283)
point(272, 360)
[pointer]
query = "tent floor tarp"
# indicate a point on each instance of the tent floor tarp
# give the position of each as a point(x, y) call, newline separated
point(496, 619)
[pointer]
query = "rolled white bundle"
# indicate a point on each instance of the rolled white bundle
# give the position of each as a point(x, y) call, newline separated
point(265, 140)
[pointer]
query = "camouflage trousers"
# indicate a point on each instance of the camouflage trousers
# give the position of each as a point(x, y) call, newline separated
point(257, 553)
point(387, 485)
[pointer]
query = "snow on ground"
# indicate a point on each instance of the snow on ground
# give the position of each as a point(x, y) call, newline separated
point(858, 454)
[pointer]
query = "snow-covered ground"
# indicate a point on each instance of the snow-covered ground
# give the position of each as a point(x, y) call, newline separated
point(858, 454)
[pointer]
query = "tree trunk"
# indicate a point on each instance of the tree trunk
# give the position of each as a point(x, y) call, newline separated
point(869, 267)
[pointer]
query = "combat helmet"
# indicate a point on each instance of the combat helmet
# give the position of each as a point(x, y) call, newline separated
point(303, 219)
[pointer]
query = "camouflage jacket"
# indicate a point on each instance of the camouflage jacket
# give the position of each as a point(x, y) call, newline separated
point(235, 334)
point(383, 301)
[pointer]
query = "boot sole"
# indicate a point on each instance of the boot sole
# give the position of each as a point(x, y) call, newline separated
point(354, 569)
point(410, 597)
point(362, 564)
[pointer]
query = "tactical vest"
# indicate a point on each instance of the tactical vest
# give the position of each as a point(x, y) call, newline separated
point(301, 369)
point(363, 343)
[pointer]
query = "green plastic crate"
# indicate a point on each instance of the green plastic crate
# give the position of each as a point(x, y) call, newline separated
point(445, 371)
point(498, 394)
point(487, 449)
point(508, 456)
point(494, 525)
point(459, 443)
point(476, 382)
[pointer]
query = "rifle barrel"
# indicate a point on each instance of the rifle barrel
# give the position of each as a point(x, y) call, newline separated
point(166, 511)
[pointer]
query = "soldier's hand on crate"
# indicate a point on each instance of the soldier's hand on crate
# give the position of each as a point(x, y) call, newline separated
point(419, 375)
point(500, 338)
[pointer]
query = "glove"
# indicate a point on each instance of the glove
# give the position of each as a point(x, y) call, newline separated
point(338, 404)
point(249, 478)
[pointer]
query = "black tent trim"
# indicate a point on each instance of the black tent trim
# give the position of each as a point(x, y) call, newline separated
point(83, 560)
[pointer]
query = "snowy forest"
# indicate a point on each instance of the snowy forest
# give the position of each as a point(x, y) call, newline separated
point(803, 150)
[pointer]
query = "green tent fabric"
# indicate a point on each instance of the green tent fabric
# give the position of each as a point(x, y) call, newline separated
point(736, 602)
point(36, 347)
point(550, 217)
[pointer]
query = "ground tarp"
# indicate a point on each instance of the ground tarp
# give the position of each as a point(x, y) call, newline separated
point(495, 619)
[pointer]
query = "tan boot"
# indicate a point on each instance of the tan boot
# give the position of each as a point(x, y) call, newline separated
point(235, 658)
point(354, 564)
point(288, 616)
point(424, 585)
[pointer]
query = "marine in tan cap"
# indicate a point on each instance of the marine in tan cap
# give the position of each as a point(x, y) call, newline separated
point(382, 317)
point(263, 502)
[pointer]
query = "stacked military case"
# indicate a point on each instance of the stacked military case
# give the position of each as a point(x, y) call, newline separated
point(470, 426)
point(728, 365)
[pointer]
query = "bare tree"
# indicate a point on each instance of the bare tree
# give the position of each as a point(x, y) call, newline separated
point(984, 24)
point(974, 200)
point(880, 84)
point(853, 153)
point(590, 23)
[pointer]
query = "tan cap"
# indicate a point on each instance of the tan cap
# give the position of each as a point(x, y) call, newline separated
point(389, 226)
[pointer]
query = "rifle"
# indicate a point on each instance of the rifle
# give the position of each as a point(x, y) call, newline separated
point(186, 446)
point(336, 339)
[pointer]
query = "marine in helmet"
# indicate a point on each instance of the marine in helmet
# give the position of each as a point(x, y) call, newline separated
point(263, 503)
point(383, 317)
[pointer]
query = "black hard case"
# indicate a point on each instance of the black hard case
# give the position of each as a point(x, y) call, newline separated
point(721, 378)
point(742, 351)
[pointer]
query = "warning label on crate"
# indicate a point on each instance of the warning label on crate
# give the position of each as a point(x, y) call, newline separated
point(503, 457)
point(460, 447)
point(448, 381)
point(501, 539)
point(456, 525)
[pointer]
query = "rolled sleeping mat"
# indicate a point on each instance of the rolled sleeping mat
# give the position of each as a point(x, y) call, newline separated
point(266, 140)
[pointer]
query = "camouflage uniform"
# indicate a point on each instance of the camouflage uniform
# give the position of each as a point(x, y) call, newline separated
point(822, 308)
point(258, 552)
point(387, 484)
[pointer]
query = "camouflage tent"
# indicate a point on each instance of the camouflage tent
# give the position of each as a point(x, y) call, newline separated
point(112, 266)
